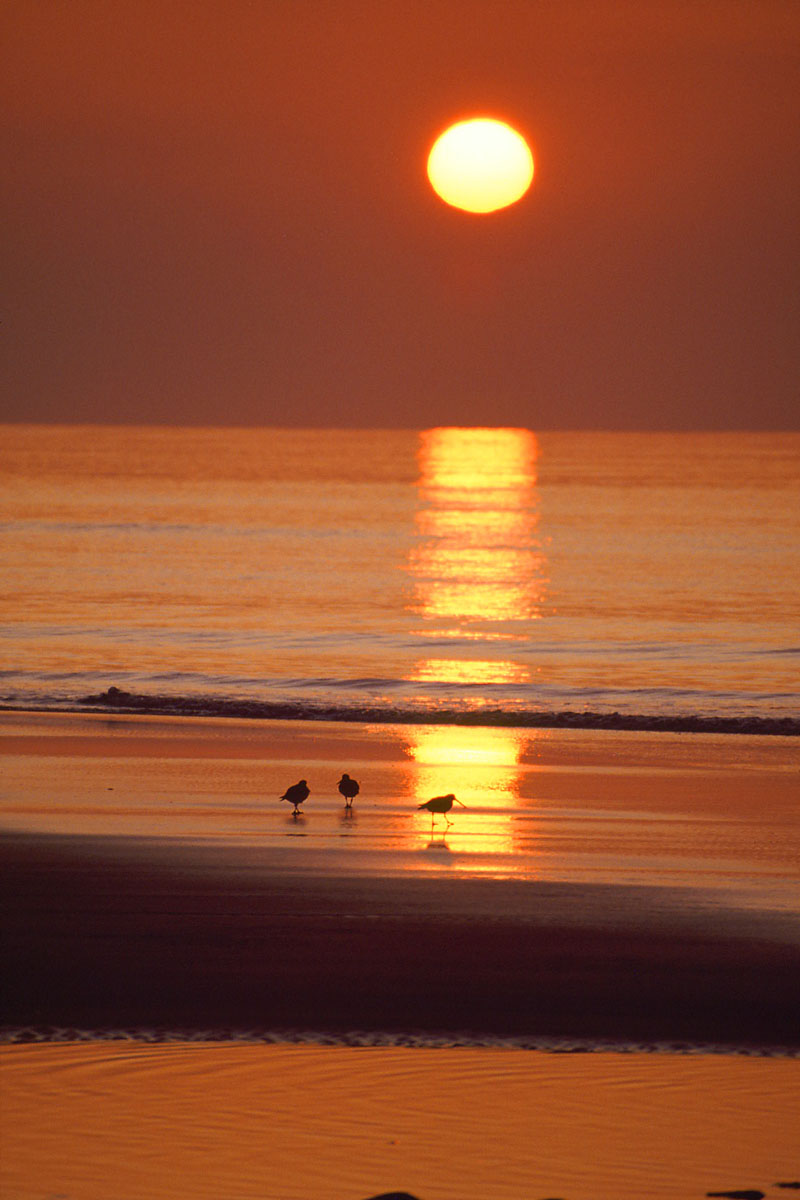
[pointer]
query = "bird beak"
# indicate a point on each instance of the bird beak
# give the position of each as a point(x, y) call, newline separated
point(459, 802)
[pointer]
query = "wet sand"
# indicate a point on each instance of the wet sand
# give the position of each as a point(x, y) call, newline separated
point(273, 930)
point(98, 933)
point(310, 1122)
point(164, 917)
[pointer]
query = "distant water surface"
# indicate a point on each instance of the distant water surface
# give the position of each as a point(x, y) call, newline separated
point(446, 569)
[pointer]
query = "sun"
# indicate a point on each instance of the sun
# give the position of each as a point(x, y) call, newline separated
point(480, 165)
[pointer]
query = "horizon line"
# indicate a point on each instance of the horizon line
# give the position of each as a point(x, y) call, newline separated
point(326, 428)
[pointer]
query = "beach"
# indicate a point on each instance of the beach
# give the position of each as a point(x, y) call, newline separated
point(623, 896)
point(100, 935)
point(164, 912)
point(310, 1122)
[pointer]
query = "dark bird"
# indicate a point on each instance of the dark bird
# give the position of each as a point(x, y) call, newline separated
point(743, 1194)
point(393, 1196)
point(349, 789)
point(440, 804)
point(296, 794)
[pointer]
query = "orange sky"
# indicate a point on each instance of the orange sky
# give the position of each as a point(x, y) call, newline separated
point(217, 212)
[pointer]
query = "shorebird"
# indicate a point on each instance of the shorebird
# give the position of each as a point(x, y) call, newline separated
point(393, 1196)
point(349, 789)
point(296, 794)
point(440, 804)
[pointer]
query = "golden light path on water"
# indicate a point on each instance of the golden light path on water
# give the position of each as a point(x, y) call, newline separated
point(479, 574)
point(482, 767)
point(478, 564)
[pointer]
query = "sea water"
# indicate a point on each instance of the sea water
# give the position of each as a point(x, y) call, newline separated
point(494, 573)
point(485, 571)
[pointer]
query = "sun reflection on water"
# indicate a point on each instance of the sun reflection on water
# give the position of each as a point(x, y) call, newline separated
point(479, 579)
point(482, 767)
point(477, 558)
point(478, 569)
point(470, 671)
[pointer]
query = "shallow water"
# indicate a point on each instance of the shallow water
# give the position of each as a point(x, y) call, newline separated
point(448, 568)
point(710, 821)
point(303, 1122)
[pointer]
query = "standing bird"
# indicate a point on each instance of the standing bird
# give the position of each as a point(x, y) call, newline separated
point(349, 789)
point(440, 804)
point(296, 794)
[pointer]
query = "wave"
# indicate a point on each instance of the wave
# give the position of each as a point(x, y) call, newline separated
point(412, 1039)
point(118, 700)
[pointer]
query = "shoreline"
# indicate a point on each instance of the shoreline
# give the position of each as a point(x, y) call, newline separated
point(118, 701)
point(31, 1035)
point(601, 888)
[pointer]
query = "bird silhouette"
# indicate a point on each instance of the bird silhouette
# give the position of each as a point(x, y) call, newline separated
point(440, 804)
point(741, 1194)
point(393, 1196)
point(296, 794)
point(349, 789)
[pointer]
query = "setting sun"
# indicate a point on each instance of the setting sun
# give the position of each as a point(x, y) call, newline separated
point(480, 165)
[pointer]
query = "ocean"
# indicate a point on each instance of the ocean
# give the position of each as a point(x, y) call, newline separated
point(496, 575)
point(211, 996)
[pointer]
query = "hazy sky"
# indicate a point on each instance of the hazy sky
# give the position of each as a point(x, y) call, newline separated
point(216, 212)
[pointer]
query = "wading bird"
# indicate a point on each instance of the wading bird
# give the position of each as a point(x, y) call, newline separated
point(440, 804)
point(296, 794)
point(349, 789)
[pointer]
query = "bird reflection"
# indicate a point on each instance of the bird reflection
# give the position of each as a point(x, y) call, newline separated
point(439, 844)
